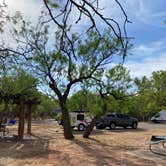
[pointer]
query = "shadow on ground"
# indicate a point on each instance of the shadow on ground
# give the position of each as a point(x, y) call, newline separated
point(36, 147)
point(94, 132)
point(104, 154)
point(127, 130)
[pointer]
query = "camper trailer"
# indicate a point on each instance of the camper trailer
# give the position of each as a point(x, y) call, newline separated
point(79, 119)
point(159, 117)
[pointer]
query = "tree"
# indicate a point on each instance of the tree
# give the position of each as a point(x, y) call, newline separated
point(46, 108)
point(114, 87)
point(159, 86)
point(30, 103)
point(62, 69)
point(19, 87)
point(145, 99)
point(73, 60)
point(6, 89)
point(85, 100)
point(87, 10)
point(24, 91)
point(149, 97)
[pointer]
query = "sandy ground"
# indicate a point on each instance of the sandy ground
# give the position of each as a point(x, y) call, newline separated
point(47, 147)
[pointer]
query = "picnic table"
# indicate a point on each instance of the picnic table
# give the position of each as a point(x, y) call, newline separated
point(158, 140)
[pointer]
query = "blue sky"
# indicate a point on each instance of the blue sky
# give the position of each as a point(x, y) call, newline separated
point(149, 32)
point(148, 29)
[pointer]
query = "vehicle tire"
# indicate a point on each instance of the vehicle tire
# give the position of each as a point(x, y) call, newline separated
point(112, 126)
point(81, 127)
point(100, 126)
point(134, 125)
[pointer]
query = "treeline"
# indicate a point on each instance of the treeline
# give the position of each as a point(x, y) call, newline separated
point(139, 97)
point(117, 92)
point(143, 99)
point(18, 87)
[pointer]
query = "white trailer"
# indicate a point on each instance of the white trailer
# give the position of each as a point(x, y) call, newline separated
point(159, 117)
point(79, 119)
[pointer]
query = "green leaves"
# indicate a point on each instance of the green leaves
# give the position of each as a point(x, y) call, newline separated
point(20, 83)
point(87, 101)
point(151, 93)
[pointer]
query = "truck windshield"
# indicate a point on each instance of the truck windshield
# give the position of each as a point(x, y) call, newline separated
point(157, 115)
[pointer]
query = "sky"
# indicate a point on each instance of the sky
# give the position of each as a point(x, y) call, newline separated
point(148, 53)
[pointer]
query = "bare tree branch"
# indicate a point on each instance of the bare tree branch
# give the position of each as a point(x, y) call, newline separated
point(89, 9)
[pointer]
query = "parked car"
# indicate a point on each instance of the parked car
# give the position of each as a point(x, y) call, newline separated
point(113, 120)
point(159, 117)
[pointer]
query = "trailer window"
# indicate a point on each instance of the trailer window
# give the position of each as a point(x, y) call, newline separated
point(80, 117)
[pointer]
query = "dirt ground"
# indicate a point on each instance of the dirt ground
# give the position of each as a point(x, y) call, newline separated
point(47, 147)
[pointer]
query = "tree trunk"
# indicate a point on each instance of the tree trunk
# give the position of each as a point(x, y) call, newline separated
point(6, 110)
point(89, 128)
point(21, 122)
point(66, 119)
point(29, 119)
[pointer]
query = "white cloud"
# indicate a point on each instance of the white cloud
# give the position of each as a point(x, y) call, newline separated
point(138, 11)
point(146, 12)
point(150, 49)
point(146, 68)
point(30, 9)
point(147, 58)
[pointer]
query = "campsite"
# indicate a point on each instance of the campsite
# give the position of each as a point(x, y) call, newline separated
point(47, 146)
point(82, 83)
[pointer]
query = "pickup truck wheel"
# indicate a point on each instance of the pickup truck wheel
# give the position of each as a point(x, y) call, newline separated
point(112, 126)
point(81, 127)
point(134, 125)
point(100, 126)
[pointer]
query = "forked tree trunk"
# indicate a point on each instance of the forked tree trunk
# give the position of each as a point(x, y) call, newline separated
point(65, 114)
point(66, 119)
point(89, 128)
point(29, 124)
point(21, 122)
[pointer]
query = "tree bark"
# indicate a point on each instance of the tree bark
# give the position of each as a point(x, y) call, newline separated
point(21, 122)
point(29, 124)
point(66, 119)
point(89, 128)
point(6, 110)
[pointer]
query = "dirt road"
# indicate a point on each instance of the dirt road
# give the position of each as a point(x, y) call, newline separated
point(47, 147)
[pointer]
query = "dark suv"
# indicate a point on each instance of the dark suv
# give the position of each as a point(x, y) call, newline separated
point(116, 119)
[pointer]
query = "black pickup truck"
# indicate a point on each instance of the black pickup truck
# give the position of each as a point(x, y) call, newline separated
point(113, 120)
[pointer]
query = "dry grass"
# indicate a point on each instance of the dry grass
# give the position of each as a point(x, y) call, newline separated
point(47, 147)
